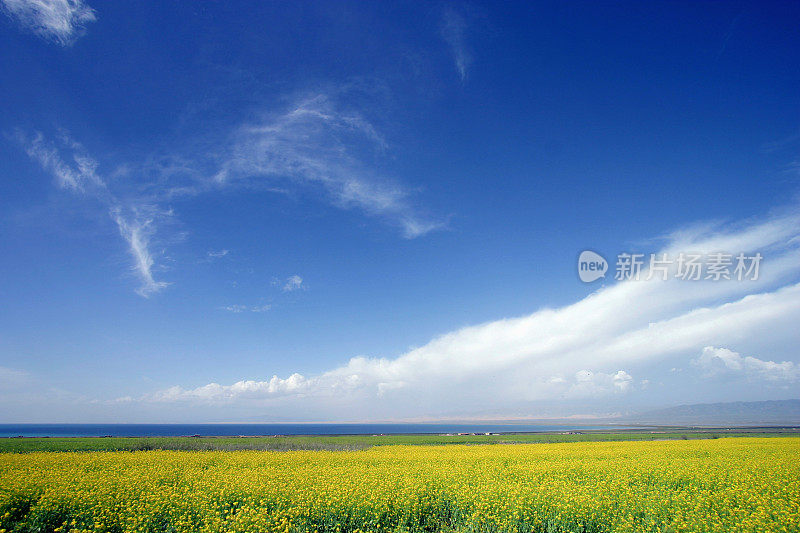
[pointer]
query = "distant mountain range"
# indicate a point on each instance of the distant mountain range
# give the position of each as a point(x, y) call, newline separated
point(769, 413)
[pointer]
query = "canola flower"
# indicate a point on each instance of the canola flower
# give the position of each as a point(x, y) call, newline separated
point(743, 485)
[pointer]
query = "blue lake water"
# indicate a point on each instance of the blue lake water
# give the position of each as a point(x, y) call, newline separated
point(169, 430)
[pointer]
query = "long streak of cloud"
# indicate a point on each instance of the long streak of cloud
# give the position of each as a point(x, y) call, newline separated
point(579, 350)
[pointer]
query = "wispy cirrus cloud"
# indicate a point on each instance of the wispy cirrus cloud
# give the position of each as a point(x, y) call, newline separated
point(60, 21)
point(217, 254)
point(11, 378)
point(239, 308)
point(137, 230)
point(78, 175)
point(314, 146)
point(292, 283)
point(317, 144)
point(584, 350)
point(454, 32)
point(76, 171)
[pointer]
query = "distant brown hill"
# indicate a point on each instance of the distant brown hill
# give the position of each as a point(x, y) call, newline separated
point(767, 413)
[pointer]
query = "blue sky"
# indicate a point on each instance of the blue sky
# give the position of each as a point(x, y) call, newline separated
point(357, 211)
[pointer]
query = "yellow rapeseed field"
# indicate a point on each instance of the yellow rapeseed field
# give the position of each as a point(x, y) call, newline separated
point(744, 484)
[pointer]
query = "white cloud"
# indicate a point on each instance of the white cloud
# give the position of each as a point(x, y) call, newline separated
point(316, 144)
point(216, 393)
point(78, 176)
point(722, 361)
point(11, 378)
point(61, 21)
point(592, 384)
point(76, 171)
point(589, 384)
point(310, 145)
point(137, 232)
point(239, 308)
point(454, 29)
point(518, 360)
point(293, 283)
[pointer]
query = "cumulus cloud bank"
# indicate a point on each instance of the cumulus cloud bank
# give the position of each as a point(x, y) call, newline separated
point(722, 361)
point(61, 21)
point(582, 350)
point(294, 384)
